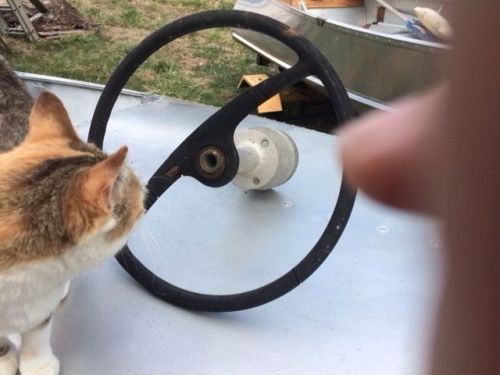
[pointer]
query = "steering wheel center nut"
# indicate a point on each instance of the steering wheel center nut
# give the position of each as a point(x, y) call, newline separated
point(211, 162)
point(268, 158)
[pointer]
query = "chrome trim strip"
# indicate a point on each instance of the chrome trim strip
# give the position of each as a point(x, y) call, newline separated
point(75, 83)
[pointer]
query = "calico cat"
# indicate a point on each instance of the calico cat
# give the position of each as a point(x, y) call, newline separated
point(64, 206)
point(15, 106)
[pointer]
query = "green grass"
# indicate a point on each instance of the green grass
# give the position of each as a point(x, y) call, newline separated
point(131, 17)
point(205, 67)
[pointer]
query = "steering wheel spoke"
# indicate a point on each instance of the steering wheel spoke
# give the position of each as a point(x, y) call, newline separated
point(209, 153)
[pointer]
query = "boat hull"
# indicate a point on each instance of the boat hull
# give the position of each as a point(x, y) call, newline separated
point(375, 68)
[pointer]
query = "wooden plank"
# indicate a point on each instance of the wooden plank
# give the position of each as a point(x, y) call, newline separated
point(4, 46)
point(333, 3)
point(292, 3)
point(3, 26)
point(36, 16)
point(271, 105)
point(325, 3)
point(60, 33)
point(23, 19)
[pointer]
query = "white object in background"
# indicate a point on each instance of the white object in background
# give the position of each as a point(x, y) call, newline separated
point(268, 158)
point(302, 6)
point(434, 22)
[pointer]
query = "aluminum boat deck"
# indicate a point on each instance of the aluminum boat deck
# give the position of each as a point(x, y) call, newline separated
point(368, 309)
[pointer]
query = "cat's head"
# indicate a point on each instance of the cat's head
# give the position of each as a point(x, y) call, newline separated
point(59, 194)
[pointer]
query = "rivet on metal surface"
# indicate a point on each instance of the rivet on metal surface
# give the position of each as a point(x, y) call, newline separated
point(382, 229)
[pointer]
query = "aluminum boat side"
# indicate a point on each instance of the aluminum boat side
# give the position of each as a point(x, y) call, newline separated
point(378, 62)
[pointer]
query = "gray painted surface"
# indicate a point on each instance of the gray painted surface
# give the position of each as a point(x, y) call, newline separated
point(368, 309)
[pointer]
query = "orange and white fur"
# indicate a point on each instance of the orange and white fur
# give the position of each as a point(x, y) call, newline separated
point(65, 206)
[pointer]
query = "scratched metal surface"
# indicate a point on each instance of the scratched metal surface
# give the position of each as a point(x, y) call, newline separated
point(368, 309)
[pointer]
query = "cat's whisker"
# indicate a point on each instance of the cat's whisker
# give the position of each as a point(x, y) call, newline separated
point(157, 248)
point(146, 242)
point(152, 245)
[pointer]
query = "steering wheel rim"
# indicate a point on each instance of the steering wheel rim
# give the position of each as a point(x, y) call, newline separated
point(311, 62)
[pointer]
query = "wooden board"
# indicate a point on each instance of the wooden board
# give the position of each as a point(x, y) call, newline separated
point(271, 105)
point(325, 3)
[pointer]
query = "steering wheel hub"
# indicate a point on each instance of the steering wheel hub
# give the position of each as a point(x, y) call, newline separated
point(211, 162)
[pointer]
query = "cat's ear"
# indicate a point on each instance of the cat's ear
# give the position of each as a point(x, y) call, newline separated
point(49, 120)
point(90, 199)
point(101, 177)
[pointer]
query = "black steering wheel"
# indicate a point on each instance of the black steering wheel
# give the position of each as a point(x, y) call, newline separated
point(210, 156)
